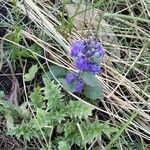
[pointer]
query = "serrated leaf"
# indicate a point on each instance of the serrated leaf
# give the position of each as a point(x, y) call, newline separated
point(21, 53)
point(30, 75)
point(41, 116)
point(1, 95)
point(36, 98)
point(68, 87)
point(53, 95)
point(9, 121)
point(63, 145)
point(72, 134)
point(57, 71)
point(23, 130)
point(9, 107)
point(24, 110)
point(92, 130)
point(89, 79)
point(94, 92)
point(57, 116)
point(79, 109)
point(107, 130)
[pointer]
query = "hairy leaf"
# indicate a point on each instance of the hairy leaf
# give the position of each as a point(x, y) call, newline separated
point(9, 121)
point(93, 92)
point(53, 95)
point(89, 79)
point(68, 87)
point(79, 109)
point(57, 71)
point(63, 145)
point(1, 95)
point(41, 117)
point(37, 98)
point(72, 134)
point(95, 129)
point(32, 71)
point(23, 130)
point(90, 131)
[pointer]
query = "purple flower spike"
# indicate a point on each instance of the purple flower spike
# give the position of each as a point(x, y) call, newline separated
point(79, 86)
point(70, 77)
point(99, 49)
point(82, 64)
point(86, 55)
point(94, 68)
point(77, 47)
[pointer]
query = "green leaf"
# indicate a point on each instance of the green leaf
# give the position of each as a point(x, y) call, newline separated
point(91, 130)
point(57, 71)
point(79, 109)
point(37, 98)
point(94, 92)
point(107, 130)
point(14, 2)
point(41, 116)
point(53, 95)
point(89, 79)
point(1, 95)
point(97, 59)
point(68, 87)
point(72, 134)
point(57, 116)
point(23, 130)
point(43, 36)
point(37, 49)
point(24, 109)
point(32, 71)
point(20, 53)
point(8, 107)
point(94, 129)
point(9, 121)
point(63, 145)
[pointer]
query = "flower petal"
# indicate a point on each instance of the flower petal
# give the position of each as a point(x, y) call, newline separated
point(82, 64)
point(77, 47)
point(99, 49)
point(70, 77)
point(79, 86)
point(94, 68)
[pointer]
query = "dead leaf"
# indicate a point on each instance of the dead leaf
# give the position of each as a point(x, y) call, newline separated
point(15, 93)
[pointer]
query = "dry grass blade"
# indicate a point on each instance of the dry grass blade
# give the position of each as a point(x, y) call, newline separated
point(83, 16)
point(36, 15)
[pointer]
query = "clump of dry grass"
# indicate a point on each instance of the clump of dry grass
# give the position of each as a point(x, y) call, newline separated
point(126, 66)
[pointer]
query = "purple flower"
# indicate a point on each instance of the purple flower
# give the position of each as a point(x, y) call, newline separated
point(77, 47)
point(94, 68)
point(86, 55)
point(99, 49)
point(82, 64)
point(70, 77)
point(79, 86)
